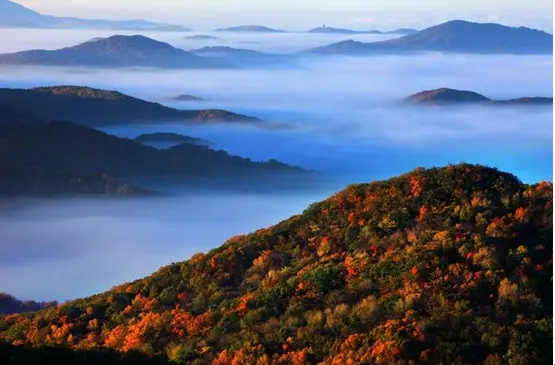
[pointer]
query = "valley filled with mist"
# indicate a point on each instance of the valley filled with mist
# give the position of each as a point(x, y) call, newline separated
point(276, 183)
point(341, 116)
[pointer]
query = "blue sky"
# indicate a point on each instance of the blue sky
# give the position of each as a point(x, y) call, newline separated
point(301, 14)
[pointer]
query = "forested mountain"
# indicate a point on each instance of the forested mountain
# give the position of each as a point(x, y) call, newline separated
point(66, 158)
point(448, 265)
point(95, 107)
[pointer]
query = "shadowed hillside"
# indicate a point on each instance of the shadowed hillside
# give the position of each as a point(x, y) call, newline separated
point(66, 158)
point(449, 265)
point(9, 305)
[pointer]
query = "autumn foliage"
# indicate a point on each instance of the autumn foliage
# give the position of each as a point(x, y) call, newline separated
point(438, 266)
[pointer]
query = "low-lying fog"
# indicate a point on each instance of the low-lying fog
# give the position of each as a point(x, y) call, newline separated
point(345, 123)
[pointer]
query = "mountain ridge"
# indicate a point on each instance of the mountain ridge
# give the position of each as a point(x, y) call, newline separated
point(97, 107)
point(456, 36)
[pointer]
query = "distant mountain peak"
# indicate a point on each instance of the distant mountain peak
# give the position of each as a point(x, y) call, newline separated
point(455, 36)
point(325, 29)
point(446, 96)
point(137, 40)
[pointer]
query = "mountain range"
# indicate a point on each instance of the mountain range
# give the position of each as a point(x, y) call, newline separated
point(445, 96)
point(449, 265)
point(95, 107)
point(139, 51)
point(455, 36)
point(63, 158)
point(15, 15)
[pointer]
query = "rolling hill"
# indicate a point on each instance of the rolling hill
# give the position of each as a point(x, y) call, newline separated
point(250, 29)
point(95, 107)
point(445, 96)
point(114, 51)
point(448, 265)
point(13, 14)
point(455, 36)
point(62, 158)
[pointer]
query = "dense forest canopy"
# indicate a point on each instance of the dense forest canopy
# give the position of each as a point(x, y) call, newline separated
point(438, 266)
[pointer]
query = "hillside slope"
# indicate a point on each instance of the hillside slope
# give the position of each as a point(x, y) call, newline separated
point(450, 265)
